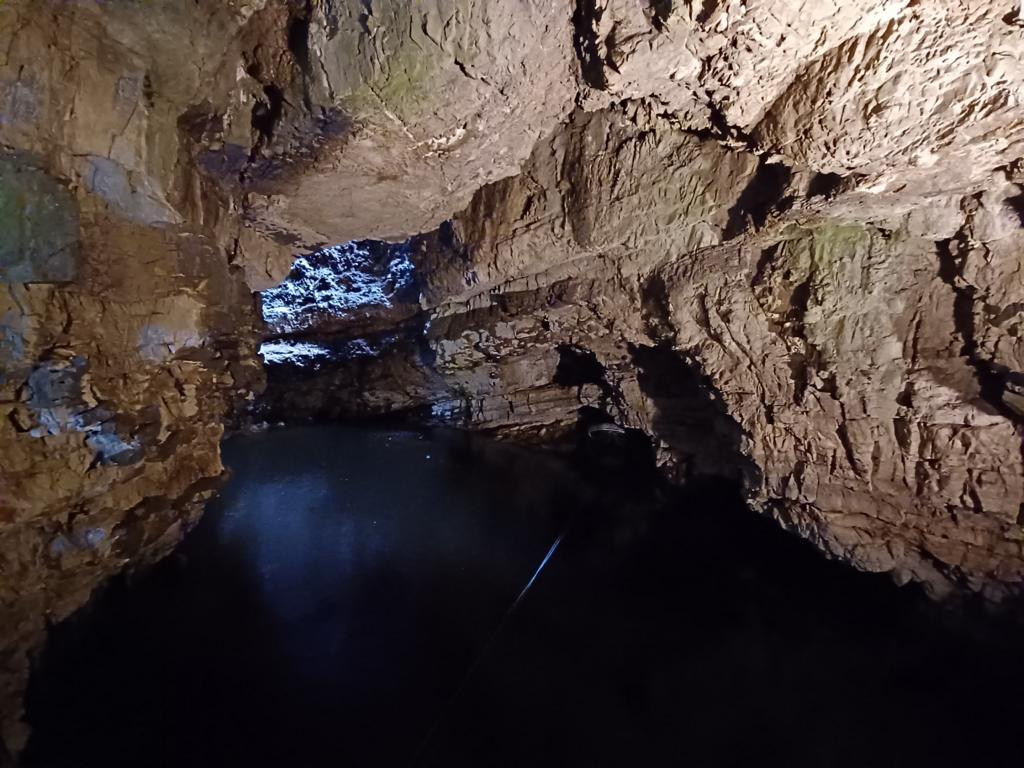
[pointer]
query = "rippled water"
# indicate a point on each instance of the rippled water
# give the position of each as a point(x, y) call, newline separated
point(348, 601)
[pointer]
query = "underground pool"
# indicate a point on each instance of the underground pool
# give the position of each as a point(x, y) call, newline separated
point(385, 597)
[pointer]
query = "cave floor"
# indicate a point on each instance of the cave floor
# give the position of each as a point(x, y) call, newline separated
point(347, 601)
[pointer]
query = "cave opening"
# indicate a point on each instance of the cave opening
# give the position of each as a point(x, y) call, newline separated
point(343, 338)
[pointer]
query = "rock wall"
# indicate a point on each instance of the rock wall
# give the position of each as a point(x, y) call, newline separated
point(834, 365)
point(125, 334)
point(783, 239)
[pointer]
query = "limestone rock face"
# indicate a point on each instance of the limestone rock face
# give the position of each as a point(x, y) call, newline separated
point(836, 367)
point(781, 239)
point(381, 119)
point(126, 337)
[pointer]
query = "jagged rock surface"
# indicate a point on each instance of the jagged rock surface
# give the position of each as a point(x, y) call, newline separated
point(783, 239)
point(835, 366)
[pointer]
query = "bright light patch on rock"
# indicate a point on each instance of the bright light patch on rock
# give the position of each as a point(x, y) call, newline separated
point(174, 326)
point(301, 353)
point(307, 354)
point(342, 282)
point(60, 403)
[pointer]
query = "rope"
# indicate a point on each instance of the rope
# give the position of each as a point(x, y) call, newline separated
point(485, 650)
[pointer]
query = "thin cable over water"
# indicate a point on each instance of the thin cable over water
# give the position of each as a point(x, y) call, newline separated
point(485, 650)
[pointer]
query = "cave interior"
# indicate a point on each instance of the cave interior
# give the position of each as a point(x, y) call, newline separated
point(511, 382)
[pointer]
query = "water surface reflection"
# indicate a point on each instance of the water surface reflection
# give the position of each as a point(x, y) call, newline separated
point(341, 605)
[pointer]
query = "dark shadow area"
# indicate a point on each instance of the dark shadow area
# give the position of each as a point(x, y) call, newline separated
point(577, 366)
point(602, 446)
point(346, 602)
point(993, 378)
point(691, 417)
point(825, 185)
point(1016, 204)
point(708, 7)
point(764, 194)
point(659, 12)
point(585, 19)
point(685, 631)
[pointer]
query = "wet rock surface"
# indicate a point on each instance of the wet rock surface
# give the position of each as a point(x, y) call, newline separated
point(780, 239)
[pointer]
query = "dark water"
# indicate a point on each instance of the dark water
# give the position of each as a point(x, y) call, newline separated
point(346, 603)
